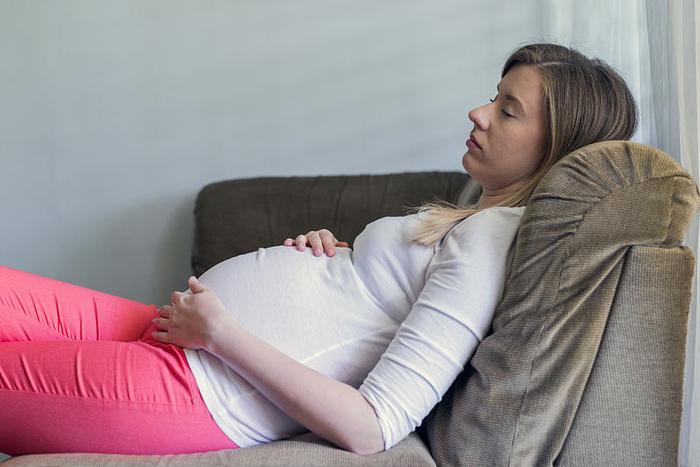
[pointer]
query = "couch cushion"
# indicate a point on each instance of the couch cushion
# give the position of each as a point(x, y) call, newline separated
point(303, 450)
point(515, 402)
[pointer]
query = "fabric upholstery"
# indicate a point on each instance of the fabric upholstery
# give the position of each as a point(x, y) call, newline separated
point(239, 216)
point(631, 407)
point(515, 403)
point(307, 450)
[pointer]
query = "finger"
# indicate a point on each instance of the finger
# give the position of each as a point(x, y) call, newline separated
point(195, 285)
point(343, 244)
point(158, 322)
point(288, 242)
point(328, 242)
point(160, 336)
point(301, 242)
point(316, 242)
point(164, 311)
point(175, 297)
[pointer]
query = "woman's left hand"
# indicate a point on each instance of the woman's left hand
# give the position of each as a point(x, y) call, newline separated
point(192, 319)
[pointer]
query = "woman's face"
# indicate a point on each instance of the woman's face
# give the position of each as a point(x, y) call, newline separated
point(506, 144)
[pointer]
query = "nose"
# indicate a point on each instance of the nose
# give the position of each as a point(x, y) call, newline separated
point(479, 117)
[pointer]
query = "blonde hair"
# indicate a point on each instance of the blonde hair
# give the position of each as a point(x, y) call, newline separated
point(585, 101)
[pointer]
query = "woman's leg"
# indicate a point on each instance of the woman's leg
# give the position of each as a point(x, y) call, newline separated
point(102, 396)
point(37, 308)
point(80, 372)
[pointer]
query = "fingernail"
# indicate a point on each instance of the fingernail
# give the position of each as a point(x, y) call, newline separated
point(317, 252)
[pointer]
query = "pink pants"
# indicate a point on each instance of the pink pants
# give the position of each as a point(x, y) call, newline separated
point(80, 372)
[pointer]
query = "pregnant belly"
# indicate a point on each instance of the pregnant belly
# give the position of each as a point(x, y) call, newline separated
point(301, 304)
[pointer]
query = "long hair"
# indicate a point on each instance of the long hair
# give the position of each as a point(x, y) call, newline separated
point(585, 101)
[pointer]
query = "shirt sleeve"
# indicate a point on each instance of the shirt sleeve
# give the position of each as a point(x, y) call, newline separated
point(452, 314)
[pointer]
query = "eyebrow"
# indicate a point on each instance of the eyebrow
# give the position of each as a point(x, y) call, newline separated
point(510, 97)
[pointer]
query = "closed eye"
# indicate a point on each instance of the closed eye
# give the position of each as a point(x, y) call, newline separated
point(503, 111)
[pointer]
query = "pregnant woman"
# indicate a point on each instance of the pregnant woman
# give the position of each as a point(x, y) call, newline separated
point(356, 345)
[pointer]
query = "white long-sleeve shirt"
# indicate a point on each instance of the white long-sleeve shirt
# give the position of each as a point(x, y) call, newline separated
point(396, 319)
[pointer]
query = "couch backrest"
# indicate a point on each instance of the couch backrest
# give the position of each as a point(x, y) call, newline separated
point(239, 216)
point(593, 309)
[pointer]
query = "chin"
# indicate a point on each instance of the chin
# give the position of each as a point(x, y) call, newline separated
point(465, 163)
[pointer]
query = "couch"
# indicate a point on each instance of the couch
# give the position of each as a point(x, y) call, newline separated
point(584, 362)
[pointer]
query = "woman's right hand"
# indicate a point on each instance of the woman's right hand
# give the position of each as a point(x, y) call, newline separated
point(319, 240)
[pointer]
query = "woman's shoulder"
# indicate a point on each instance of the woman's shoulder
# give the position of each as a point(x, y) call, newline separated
point(498, 221)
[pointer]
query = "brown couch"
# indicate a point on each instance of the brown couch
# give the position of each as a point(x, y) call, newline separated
point(584, 365)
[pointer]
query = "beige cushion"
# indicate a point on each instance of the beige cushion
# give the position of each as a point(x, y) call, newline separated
point(303, 450)
point(516, 401)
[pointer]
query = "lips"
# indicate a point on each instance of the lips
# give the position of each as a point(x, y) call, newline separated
point(474, 141)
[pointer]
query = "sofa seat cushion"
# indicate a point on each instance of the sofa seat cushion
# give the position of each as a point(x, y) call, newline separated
point(303, 450)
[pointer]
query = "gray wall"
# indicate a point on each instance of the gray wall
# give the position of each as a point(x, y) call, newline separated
point(114, 114)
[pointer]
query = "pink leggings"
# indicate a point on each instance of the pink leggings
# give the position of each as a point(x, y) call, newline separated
point(80, 372)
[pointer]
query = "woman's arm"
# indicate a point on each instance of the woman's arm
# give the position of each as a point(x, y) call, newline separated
point(332, 409)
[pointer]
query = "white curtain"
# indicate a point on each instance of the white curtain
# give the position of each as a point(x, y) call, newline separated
point(655, 45)
point(670, 30)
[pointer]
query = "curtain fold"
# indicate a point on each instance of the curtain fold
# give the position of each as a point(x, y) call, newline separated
point(672, 31)
point(655, 46)
point(683, 41)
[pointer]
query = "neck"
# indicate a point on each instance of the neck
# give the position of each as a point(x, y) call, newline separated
point(491, 197)
point(486, 200)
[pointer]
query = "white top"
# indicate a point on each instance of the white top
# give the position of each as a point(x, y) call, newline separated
point(393, 318)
